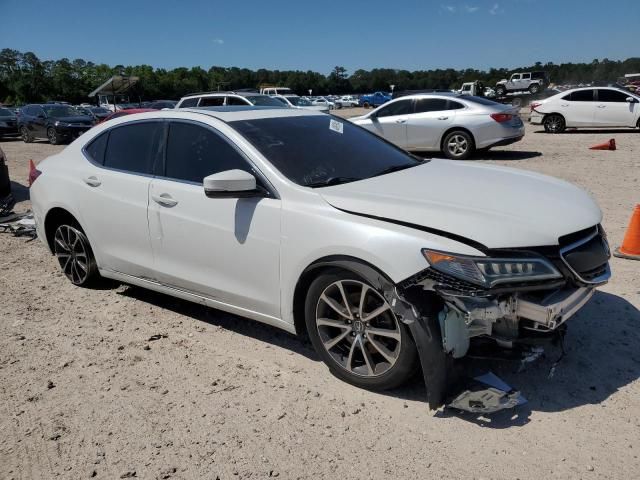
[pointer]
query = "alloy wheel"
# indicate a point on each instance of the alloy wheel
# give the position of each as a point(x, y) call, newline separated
point(357, 328)
point(26, 137)
point(71, 250)
point(457, 145)
point(52, 136)
point(554, 123)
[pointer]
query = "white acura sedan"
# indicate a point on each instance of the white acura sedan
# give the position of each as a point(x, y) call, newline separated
point(314, 225)
point(600, 107)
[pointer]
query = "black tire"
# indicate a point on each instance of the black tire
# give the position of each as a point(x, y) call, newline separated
point(52, 136)
point(554, 123)
point(501, 91)
point(366, 105)
point(534, 88)
point(74, 254)
point(386, 377)
point(26, 135)
point(458, 145)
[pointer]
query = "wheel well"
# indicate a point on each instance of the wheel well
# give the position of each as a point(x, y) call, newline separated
point(55, 217)
point(552, 113)
point(327, 264)
point(455, 129)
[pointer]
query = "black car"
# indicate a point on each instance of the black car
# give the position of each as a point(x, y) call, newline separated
point(6, 199)
point(55, 122)
point(8, 123)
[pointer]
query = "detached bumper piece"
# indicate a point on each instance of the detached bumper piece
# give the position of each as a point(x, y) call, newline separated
point(487, 394)
point(550, 311)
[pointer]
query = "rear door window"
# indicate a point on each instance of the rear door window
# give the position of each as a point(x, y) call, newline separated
point(134, 147)
point(424, 105)
point(211, 101)
point(195, 152)
point(580, 96)
point(611, 96)
point(237, 101)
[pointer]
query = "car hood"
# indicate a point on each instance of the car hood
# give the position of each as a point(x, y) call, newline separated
point(498, 207)
point(76, 119)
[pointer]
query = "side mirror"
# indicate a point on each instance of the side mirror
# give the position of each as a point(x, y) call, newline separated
point(231, 184)
point(631, 100)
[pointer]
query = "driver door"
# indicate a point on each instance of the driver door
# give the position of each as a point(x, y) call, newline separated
point(224, 249)
point(390, 121)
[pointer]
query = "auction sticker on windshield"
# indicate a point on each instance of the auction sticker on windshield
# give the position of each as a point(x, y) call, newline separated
point(336, 126)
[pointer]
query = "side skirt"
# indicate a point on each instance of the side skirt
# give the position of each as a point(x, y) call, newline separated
point(196, 298)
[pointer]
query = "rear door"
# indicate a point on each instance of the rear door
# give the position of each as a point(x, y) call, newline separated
point(578, 108)
point(429, 120)
point(114, 192)
point(390, 122)
point(38, 123)
point(613, 110)
point(226, 249)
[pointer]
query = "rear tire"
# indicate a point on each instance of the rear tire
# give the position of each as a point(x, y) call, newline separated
point(366, 105)
point(75, 256)
point(26, 135)
point(52, 136)
point(534, 88)
point(364, 348)
point(501, 91)
point(554, 123)
point(458, 145)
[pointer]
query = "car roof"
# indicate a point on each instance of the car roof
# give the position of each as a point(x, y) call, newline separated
point(218, 94)
point(230, 114)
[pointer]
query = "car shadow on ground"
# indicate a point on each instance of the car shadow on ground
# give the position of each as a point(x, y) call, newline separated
point(602, 356)
point(583, 131)
point(20, 192)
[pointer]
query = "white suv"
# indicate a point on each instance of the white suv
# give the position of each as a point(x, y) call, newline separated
point(533, 82)
point(226, 99)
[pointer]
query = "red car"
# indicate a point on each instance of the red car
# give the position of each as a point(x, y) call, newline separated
point(130, 111)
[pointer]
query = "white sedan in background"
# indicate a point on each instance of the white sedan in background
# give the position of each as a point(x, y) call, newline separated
point(323, 102)
point(346, 101)
point(593, 107)
point(455, 124)
point(313, 225)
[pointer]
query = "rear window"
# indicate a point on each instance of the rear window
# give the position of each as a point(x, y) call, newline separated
point(481, 101)
point(134, 147)
point(189, 102)
point(97, 147)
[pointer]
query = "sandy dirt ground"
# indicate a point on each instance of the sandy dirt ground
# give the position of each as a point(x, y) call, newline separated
point(123, 383)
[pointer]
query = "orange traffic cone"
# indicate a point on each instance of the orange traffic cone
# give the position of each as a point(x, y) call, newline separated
point(630, 247)
point(610, 145)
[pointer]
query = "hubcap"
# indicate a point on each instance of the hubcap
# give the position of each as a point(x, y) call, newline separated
point(457, 145)
point(72, 255)
point(357, 328)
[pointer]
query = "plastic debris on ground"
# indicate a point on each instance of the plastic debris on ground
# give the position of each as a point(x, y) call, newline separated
point(488, 394)
point(20, 225)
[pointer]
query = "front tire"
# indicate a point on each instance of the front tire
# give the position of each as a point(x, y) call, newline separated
point(75, 256)
point(534, 88)
point(355, 332)
point(554, 123)
point(458, 145)
point(26, 135)
point(501, 91)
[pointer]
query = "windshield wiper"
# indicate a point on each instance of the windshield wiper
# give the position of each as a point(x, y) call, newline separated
point(332, 181)
point(396, 168)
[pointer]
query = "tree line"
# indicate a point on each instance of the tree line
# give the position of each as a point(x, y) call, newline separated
point(25, 78)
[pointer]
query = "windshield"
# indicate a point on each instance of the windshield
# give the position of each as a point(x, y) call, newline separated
point(4, 112)
point(264, 101)
point(299, 101)
point(320, 150)
point(61, 111)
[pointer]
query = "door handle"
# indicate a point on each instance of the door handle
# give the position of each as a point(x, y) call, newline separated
point(564, 105)
point(443, 118)
point(602, 106)
point(92, 181)
point(165, 200)
point(401, 120)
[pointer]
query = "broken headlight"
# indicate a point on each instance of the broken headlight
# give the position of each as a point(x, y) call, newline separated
point(488, 272)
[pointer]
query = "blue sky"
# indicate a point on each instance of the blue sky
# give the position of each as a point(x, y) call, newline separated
point(280, 34)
